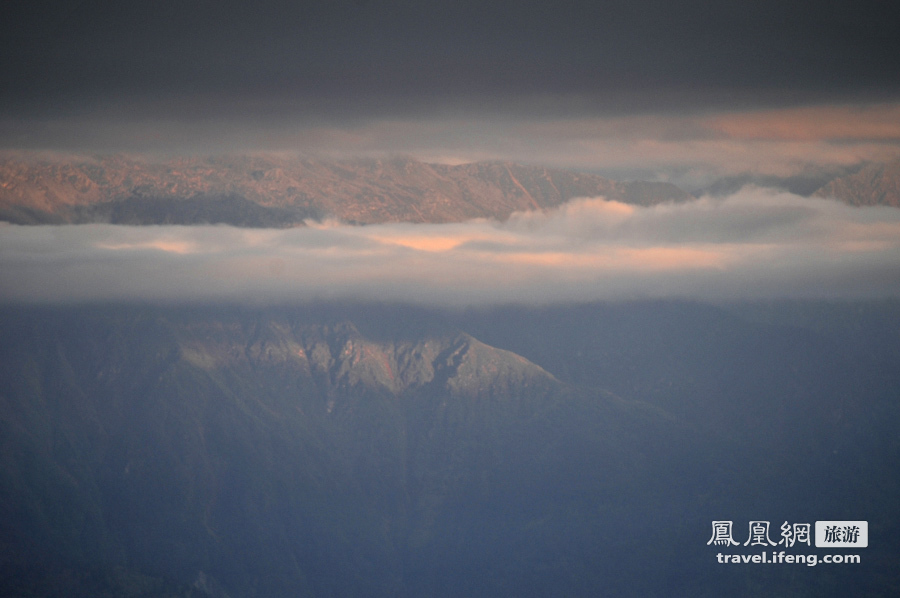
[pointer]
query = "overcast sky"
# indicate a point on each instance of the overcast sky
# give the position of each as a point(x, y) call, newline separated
point(682, 91)
point(392, 56)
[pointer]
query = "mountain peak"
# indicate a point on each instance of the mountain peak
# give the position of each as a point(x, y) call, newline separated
point(338, 357)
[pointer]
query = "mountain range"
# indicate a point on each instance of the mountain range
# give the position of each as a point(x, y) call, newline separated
point(387, 450)
point(276, 191)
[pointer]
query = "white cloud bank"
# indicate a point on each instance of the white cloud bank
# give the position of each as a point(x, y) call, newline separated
point(754, 244)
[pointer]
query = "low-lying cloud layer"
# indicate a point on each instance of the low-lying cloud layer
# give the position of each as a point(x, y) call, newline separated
point(754, 244)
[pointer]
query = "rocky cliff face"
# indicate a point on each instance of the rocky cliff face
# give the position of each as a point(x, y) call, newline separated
point(261, 190)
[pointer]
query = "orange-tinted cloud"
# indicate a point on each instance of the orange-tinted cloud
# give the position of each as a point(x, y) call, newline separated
point(813, 123)
point(164, 245)
point(757, 243)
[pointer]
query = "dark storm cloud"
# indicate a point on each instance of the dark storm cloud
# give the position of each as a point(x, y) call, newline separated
point(359, 57)
point(755, 244)
point(686, 92)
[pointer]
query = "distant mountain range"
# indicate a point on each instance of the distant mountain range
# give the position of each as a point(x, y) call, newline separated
point(274, 191)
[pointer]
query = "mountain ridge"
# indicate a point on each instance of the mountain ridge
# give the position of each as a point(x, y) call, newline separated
point(338, 357)
point(279, 191)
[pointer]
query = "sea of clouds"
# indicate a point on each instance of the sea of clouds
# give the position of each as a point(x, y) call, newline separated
point(755, 244)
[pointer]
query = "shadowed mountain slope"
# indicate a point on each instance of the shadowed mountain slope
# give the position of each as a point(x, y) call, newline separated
point(385, 451)
point(284, 455)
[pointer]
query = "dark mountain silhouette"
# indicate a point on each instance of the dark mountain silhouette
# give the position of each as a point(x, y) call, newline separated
point(386, 451)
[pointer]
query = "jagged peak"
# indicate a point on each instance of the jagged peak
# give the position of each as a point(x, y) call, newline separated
point(338, 355)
